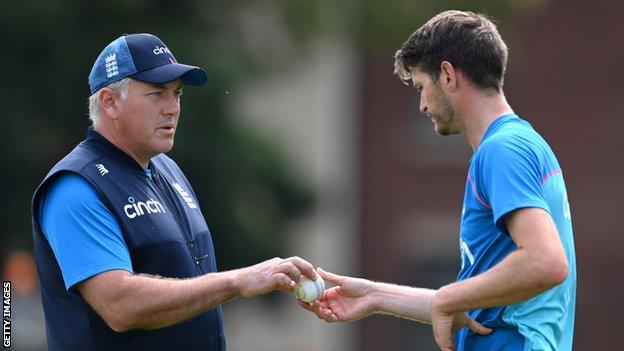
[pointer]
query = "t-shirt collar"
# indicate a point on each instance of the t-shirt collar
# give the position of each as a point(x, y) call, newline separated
point(497, 123)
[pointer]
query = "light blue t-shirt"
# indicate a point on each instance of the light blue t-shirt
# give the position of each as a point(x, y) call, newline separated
point(514, 168)
point(84, 235)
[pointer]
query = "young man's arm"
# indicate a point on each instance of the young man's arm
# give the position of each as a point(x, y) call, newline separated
point(127, 301)
point(355, 298)
point(538, 264)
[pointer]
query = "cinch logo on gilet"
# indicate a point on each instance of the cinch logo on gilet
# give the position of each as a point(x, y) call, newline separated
point(136, 209)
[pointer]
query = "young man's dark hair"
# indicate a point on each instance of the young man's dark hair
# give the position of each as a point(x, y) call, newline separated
point(469, 41)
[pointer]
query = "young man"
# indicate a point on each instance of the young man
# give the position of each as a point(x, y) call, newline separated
point(123, 252)
point(517, 285)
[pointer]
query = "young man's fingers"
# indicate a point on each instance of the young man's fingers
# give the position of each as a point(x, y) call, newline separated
point(305, 305)
point(312, 308)
point(445, 345)
point(477, 327)
point(330, 277)
point(327, 316)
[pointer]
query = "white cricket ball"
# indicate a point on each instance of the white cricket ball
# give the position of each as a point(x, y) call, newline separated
point(307, 290)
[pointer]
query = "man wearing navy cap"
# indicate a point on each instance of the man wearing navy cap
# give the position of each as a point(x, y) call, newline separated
point(123, 252)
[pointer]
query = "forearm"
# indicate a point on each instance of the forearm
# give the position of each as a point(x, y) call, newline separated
point(149, 302)
point(158, 302)
point(127, 301)
point(404, 301)
point(520, 276)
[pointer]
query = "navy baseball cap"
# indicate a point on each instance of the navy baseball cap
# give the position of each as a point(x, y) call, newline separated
point(142, 57)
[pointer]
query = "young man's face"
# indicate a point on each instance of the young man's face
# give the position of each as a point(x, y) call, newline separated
point(149, 117)
point(435, 104)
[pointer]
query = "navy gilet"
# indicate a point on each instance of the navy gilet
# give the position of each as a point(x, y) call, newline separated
point(166, 235)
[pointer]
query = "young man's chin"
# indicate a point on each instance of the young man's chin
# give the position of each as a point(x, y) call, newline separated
point(441, 130)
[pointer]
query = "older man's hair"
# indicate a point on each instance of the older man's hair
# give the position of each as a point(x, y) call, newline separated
point(95, 109)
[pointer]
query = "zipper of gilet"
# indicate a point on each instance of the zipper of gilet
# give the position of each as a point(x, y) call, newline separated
point(176, 211)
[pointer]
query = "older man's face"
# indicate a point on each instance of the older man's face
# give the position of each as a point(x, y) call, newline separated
point(149, 116)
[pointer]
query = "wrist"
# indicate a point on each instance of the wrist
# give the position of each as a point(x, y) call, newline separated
point(376, 297)
point(442, 301)
point(234, 282)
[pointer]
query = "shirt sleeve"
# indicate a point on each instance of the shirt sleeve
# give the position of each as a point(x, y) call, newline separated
point(84, 235)
point(511, 178)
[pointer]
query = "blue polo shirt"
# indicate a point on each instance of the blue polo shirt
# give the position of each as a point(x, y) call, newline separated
point(84, 235)
point(514, 168)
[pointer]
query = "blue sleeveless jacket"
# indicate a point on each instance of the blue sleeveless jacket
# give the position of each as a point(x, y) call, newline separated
point(166, 235)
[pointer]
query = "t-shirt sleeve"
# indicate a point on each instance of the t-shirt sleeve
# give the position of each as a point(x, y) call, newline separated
point(511, 178)
point(84, 235)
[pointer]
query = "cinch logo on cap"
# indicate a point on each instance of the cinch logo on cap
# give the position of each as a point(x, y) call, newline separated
point(142, 57)
point(161, 50)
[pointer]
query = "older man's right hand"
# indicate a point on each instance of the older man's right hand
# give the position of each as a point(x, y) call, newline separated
point(274, 274)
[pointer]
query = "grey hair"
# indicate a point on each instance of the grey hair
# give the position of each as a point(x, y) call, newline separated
point(95, 109)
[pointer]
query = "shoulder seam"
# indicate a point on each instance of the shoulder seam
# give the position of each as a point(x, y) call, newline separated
point(476, 194)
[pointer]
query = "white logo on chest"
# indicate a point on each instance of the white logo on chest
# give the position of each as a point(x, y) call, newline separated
point(465, 253)
point(185, 195)
point(100, 167)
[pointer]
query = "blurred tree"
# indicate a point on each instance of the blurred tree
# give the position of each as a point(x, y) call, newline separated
point(382, 25)
point(246, 190)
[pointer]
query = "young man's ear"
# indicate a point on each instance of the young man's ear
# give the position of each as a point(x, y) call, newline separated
point(448, 75)
point(108, 103)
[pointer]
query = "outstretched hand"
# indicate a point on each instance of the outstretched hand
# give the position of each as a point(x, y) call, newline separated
point(350, 299)
point(274, 274)
point(355, 298)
